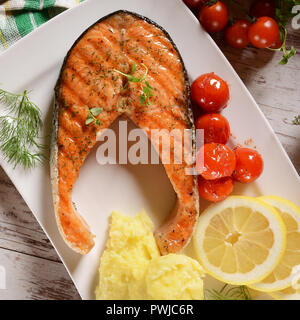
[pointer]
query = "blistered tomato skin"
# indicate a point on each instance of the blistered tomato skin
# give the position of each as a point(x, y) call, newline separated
point(215, 161)
point(249, 165)
point(215, 190)
point(216, 128)
point(210, 92)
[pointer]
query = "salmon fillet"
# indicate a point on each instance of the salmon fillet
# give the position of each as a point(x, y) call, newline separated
point(88, 79)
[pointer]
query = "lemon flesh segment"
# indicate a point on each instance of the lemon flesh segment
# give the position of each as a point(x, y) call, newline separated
point(240, 240)
point(288, 268)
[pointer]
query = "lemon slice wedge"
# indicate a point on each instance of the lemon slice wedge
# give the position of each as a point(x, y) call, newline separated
point(286, 294)
point(288, 268)
point(240, 240)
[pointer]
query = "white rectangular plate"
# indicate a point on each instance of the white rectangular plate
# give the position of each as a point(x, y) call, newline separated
point(34, 63)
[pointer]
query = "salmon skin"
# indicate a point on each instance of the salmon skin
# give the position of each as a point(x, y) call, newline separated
point(88, 79)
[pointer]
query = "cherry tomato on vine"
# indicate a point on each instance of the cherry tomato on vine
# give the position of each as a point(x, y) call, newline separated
point(263, 8)
point(215, 161)
point(216, 128)
point(277, 44)
point(214, 17)
point(237, 34)
point(215, 190)
point(210, 92)
point(249, 165)
point(264, 32)
point(193, 4)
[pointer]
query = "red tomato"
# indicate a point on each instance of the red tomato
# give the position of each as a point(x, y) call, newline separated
point(216, 128)
point(193, 4)
point(277, 44)
point(264, 32)
point(237, 34)
point(263, 8)
point(214, 18)
point(249, 165)
point(210, 92)
point(215, 190)
point(215, 161)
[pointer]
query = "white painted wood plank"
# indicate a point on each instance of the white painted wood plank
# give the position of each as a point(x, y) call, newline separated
point(19, 230)
point(35, 278)
point(33, 269)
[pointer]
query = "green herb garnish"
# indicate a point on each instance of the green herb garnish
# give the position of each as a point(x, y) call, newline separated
point(296, 121)
point(145, 86)
point(287, 54)
point(229, 293)
point(283, 16)
point(92, 114)
point(20, 129)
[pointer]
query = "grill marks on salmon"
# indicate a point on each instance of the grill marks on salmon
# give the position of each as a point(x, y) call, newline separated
point(88, 80)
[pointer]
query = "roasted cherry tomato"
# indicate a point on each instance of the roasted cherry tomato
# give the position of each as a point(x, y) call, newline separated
point(216, 128)
point(210, 92)
point(215, 161)
point(215, 190)
point(263, 8)
point(194, 5)
point(213, 17)
point(264, 32)
point(249, 165)
point(237, 34)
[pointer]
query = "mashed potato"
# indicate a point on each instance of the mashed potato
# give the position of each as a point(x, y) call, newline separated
point(123, 265)
point(174, 277)
point(131, 267)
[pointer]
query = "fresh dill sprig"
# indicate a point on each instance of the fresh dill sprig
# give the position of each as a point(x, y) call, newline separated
point(229, 293)
point(92, 114)
point(145, 86)
point(20, 129)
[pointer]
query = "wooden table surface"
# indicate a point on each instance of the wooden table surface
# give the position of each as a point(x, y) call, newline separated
point(34, 271)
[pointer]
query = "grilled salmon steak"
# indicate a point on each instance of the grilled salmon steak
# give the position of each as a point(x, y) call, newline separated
point(91, 78)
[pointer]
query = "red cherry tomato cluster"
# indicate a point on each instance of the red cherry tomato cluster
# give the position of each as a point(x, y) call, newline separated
point(219, 166)
point(262, 33)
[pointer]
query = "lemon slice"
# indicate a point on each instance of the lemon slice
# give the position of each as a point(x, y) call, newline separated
point(290, 293)
point(240, 240)
point(286, 294)
point(288, 268)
